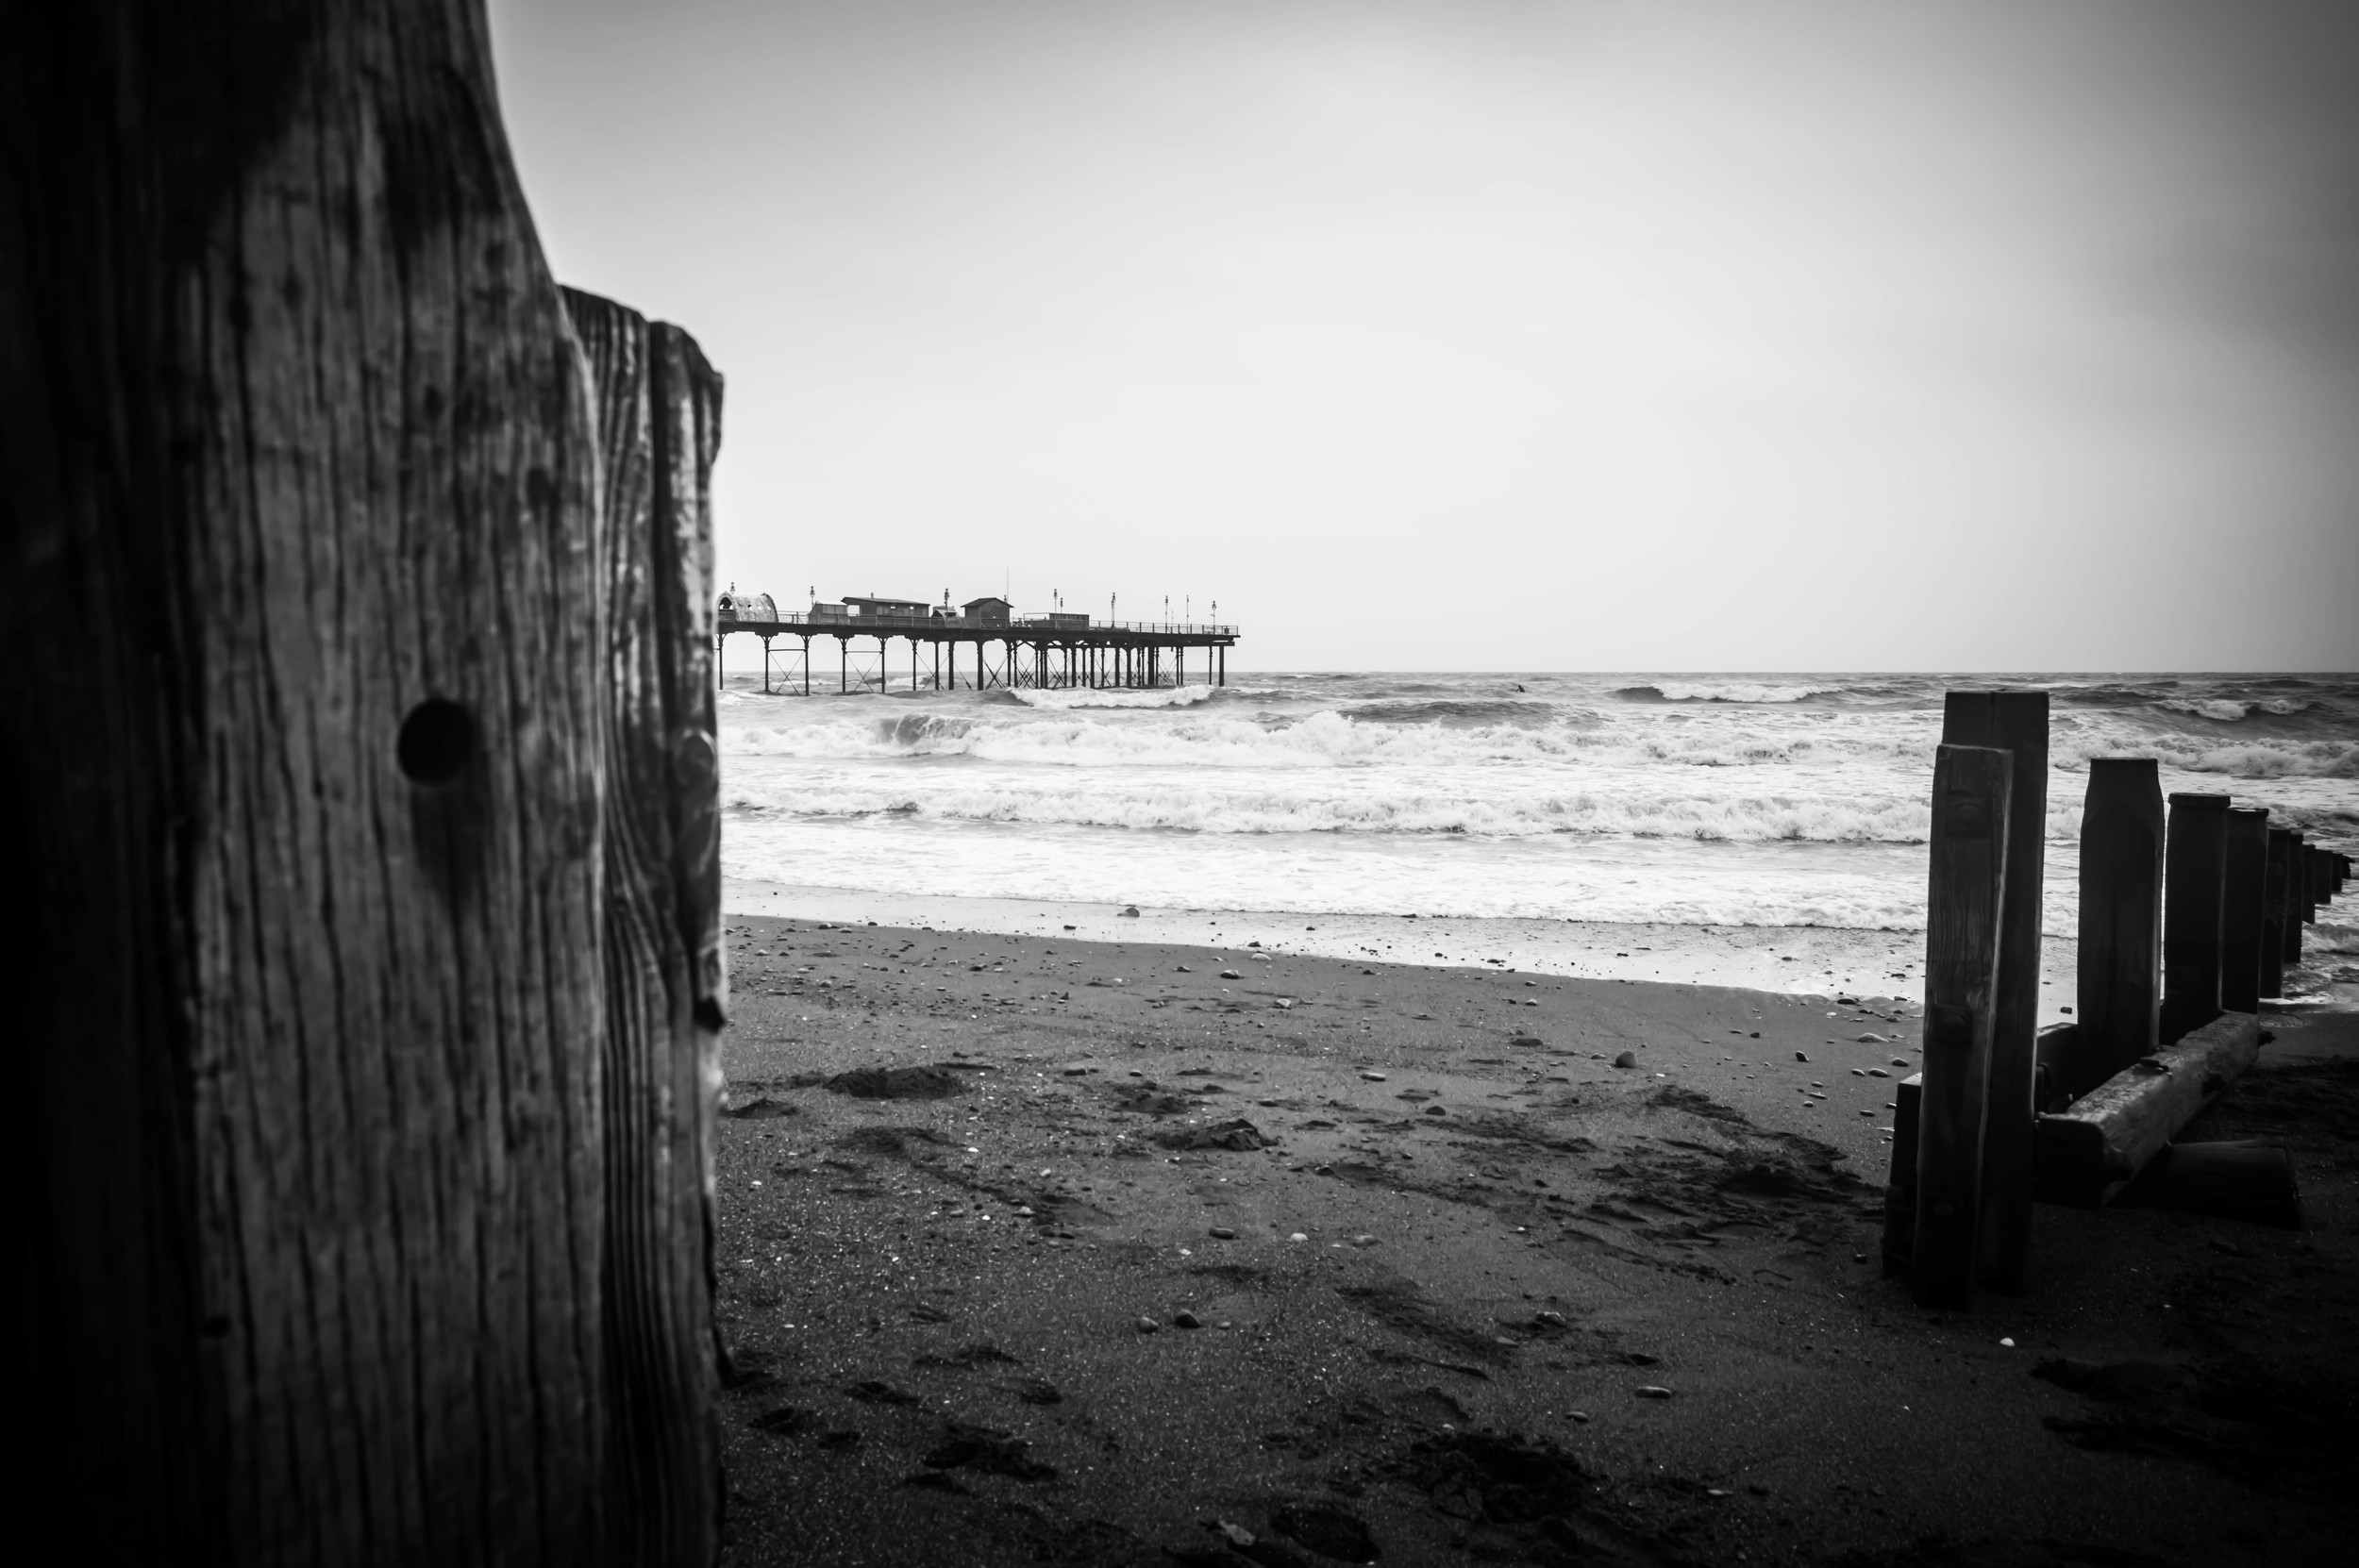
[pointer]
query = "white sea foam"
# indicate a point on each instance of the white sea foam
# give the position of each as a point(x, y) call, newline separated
point(1734, 691)
point(1776, 800)
point(2231, 709)
point(1063, 699)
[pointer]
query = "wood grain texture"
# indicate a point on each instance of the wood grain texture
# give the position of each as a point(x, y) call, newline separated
point(298, 440)
point(2119, 991)
point(2194, 871)
point(1899, 1237)
point(1964, 907)
point(2110, 1133)
point(2275, 873)
point(2243, 881)
point(662, 906)
point(2015, 722)
point(2297, 852)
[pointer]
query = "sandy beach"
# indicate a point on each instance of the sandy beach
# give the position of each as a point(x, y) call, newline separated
point(1042, 1249)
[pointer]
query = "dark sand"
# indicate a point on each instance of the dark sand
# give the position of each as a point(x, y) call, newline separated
point(937, 1301)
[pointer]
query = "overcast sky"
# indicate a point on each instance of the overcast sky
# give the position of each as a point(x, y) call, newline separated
point(1484, 335)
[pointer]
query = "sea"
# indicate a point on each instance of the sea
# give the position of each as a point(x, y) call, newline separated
point(1759, 829)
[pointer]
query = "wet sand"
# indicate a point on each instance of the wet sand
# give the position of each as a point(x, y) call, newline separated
point(1463, 1288)
point(1792, 959)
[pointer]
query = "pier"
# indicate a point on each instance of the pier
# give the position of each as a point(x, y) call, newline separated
point(978, 646)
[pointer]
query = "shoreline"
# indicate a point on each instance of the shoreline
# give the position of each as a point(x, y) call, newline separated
point(1796, 960)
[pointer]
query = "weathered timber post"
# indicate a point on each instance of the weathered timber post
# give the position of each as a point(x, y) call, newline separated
point(2194, 864)
point(2280, 845)
point(306, 766)
point(1964, 918)
point(2295, 852)
point(2014, 722)
point(2243, 881)
point(658, 409)
point(1899, 1241)
point(2119, 996)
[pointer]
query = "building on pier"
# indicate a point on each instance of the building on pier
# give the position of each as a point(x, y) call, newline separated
point(869, 610)
point(983, 643)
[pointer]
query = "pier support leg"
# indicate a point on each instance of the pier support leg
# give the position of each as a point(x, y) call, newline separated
point(2120, 983)
point(2242, 885)
point(2194, 862)
point(807, 666)
point(844, 665)
point(720, 666)
point(2015, 722)
point(766, 666)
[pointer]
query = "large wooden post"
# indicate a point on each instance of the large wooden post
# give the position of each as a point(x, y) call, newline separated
point(305, 766)
point(659, 408)
point(2118, 994)
point(2015, 722)
point(2243, 882)
point(1965, 912)
point(2194, 864)
point(2280, 843)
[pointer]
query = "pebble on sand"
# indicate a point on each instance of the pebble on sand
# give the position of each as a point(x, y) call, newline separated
point(1651, 1391)
point(1222, 1233)
point(1373, 1078)
point(1628, 1058)
point(1297, 1236)
point(1147, 1325)
point(1186, 1320)
point(1801, 1056)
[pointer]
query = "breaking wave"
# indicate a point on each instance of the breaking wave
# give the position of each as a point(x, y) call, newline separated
point(1736, 691)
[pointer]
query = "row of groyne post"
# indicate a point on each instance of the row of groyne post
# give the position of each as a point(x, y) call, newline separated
point(2191, 911)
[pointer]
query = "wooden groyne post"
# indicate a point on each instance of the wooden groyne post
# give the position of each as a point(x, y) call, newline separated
point(1966, 907)
point(2015, 722)
point(2274, 896)
point(2297, 873)
point(2194, 871)
point(2118, 996)
point(359, 1187)
point(2244, 885)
